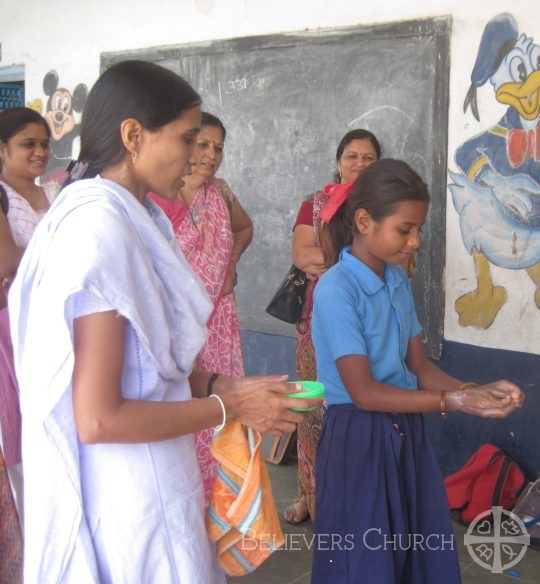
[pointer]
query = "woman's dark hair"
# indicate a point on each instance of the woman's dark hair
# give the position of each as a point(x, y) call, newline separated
point(358, 134)
point(4, 201)
point(383, 185)
point(14, 119)
point(336, 234)
point(145, 91)
point(211, 120)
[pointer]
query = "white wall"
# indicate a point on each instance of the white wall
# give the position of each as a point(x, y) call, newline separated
point(69, 38)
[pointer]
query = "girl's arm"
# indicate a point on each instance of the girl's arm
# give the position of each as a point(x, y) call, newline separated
point(103, 415)
point(306, 254)
point(431, 378)
point(10, 254)
point(495, 400)
point(369, 394)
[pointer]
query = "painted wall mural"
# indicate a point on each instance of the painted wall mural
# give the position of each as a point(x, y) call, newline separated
point(60, 111)
point(497, 193)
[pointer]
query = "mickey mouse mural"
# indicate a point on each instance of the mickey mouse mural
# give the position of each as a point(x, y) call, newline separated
point(498, 194)
point(60, 110)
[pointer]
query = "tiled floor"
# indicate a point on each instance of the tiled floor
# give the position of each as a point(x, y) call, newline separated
point(293, 565)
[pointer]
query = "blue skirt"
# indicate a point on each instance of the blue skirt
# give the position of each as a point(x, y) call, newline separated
point(382, 512)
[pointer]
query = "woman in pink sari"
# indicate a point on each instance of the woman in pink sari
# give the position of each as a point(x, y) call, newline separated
point(24, 155)
point(213, 231)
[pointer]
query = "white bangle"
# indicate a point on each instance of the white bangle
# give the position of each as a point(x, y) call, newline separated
point(222, 425)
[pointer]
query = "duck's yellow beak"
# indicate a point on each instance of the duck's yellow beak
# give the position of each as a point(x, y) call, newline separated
point(525, 97)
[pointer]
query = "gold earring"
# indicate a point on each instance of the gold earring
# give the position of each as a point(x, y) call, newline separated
point(134, 156)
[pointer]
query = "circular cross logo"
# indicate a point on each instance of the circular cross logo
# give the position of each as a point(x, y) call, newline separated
point(497, 539)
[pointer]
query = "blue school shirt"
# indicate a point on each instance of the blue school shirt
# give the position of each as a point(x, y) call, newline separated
point(356, 313)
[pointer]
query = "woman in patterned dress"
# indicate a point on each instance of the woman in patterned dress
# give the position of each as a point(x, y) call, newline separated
point(24, 155)
point(357, 150)
point(213, 231)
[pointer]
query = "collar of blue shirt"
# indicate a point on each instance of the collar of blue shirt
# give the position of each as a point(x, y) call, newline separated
point(367, 279)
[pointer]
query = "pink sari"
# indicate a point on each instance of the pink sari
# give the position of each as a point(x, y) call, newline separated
point(204, 233)
point(10, 415)
point(23, 220)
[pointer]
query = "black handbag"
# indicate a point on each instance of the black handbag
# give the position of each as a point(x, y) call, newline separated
point(288, 300)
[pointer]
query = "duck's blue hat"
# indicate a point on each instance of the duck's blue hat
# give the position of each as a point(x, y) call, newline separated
point(500, 36)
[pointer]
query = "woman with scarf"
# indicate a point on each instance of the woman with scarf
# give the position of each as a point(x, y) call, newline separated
point(107, 319)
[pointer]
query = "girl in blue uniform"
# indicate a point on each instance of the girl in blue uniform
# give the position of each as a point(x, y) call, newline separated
point(382, 513)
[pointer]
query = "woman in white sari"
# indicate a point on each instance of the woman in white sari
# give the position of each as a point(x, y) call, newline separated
point(107, 318)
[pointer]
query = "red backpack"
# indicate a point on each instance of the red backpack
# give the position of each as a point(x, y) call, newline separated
point(488, 479)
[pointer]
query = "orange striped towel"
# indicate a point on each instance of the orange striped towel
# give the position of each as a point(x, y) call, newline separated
point(242, 518)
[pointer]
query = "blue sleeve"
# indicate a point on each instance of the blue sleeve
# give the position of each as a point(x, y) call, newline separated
point(337, 321)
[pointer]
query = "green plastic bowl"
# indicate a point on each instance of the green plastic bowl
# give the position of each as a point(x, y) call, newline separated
point(310, 389)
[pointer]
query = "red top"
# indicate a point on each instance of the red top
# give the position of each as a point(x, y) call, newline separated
point(175, 210)
point(305, 215)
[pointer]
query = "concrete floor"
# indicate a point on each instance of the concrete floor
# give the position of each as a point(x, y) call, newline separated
point(293, 566)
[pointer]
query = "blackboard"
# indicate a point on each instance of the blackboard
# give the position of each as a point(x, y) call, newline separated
point(287, 99)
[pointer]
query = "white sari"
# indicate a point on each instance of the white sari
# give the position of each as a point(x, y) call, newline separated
point(119, 512)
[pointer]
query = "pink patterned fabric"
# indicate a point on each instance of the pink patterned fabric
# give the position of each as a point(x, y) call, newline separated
point(22, 218)
point(204, 233)
point(10, 415)
point(23, 221)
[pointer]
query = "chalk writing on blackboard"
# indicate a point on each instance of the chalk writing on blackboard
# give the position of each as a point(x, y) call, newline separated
point(287, 99)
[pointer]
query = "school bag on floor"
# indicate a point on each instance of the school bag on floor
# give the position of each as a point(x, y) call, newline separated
point(490, 478)
point(528, 510)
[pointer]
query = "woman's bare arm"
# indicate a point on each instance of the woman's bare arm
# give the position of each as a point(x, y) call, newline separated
point(242, 230)
point(306, 254)
point(103, 415)
point(10, 253)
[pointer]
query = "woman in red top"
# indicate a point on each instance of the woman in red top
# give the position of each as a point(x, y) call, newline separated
point(313, 252)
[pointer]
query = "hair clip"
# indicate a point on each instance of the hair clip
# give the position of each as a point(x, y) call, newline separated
point(76, 169)
point(338, 194)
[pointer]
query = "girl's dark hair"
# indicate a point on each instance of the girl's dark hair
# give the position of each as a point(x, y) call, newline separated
point(383, 185)
point(145, 91)
point(336, 234)
point(14, 119)
point(211, 120)
point(358, 134)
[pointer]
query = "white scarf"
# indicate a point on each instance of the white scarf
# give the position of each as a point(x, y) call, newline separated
point(96, 237)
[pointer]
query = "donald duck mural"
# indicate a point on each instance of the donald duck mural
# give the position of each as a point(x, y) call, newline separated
point(498, 193)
